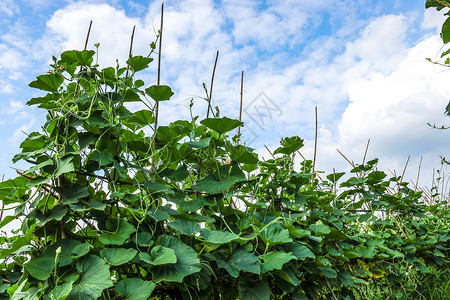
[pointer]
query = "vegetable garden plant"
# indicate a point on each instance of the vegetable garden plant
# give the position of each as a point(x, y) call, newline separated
point(186, 212)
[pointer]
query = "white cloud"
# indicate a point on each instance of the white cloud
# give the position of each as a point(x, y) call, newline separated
point(8, 8)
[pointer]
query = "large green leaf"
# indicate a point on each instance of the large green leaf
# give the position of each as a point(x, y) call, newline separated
point(320, 229)
point(66, 247)
point(218, 237)
point(184, 226)
point(289, 145)
point(18, 243)
point(221, 125)
point(275, 260)
point(120, 230)
point(275, 234)
point(159, 92)
point(135, 288)
point(48, 82)
point(81, 58)
point(445, 33)
point(300, 251)
point(240, 260)
point(95, 277)
point(141, 119)
point(187, 261)
point(138, 63)
point(117, 256)
point(159, 256)
point(203, 143)
point(41, 268)
point(61, 291)
point(102, 157)
point(253, 290)
point(72, 193)
point(241, 154)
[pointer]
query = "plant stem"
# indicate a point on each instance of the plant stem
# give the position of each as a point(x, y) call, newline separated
point(211, 88)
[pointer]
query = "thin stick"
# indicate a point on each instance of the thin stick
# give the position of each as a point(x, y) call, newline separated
point(240, 106)
point(158, 81)
point(352, 164)
point(131, 49)
point(403, 174)
point(270, 152)
point(315, 152)
point(87, 37)
point(418, 173)
point(212, 82)
point(159, 64)
point(301, 155)
point(365, 153)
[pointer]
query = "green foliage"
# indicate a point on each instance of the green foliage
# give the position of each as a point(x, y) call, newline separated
point(185, 212)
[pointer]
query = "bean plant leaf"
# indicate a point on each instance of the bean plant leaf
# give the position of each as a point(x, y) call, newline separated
point(41, 268)
point(289, 145)
point(221, 125)
point(48, 82)
point(184, 226)
point(120, 230)
point(187, 261)
point(218, 237)
point(275, 234)
point(445, 32)
point(253, 290)
point(240, 260)
point(61, 291)
point(135, 288)
point(159, 92)
point(81, 58)
point(138, 63)
point(95, 277)
point(72, 193)
point(102, 157)
point(275, 260)
point(117, 256)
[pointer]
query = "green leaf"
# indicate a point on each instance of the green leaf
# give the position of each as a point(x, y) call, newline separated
point(18, 243)
point(48, 82)
point(275, 234)
point(138, 63)
point(366, 252)
point(320, 229)
point(184, 226)
point(240, 260)
point(95, 277)
point(289, 145)
point(66, 247)
point(141, 118)
point(275, 260)
point(135, 288)
point(157, 214)
point(121, 230)
point(445, 33)
point(72, 193)
point(157, 187)
point(241, 154)
point(300, 251)
point(81, 58)
point(221, 125)
point(328, 271)
point(102, 157)
point(159, 92)
point(61, 291)
point(162, 255)
point(117, 256)
point(81, 250)
point(187, 261)
point(218, 237)
point(203, 143)
point(253, 290)
point(41, 268)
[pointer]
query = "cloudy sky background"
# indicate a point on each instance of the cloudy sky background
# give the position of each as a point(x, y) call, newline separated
point(361, 62)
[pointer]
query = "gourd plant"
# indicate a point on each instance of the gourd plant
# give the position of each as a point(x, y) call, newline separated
point(113, 207)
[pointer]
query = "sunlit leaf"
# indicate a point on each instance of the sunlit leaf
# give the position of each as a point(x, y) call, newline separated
point(48, 82)
point(159, 92)
point(221, 125)
point(138, 63)
point(135, 288)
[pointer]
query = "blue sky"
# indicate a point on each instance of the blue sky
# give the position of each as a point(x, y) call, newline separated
point(361, 62)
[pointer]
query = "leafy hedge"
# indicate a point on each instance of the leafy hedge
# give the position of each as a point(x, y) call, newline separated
point(112, 208)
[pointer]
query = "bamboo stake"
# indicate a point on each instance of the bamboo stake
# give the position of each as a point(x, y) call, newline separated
point(270, 151)
point(240, 106)
point(352, 164)
point(87, 36)
point(131, 49)
point(365, 153)
point(212, 82)
point(315, 152)
point(403, 174)
point(158, 81)
point(418, 173)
